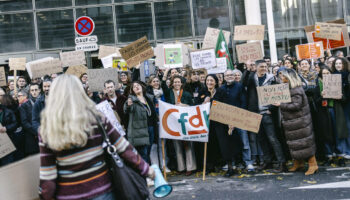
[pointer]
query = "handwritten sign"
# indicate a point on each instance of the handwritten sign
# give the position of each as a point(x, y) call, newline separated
point(72, 58)
point(2, 77)
point(136, 52)
point(107, 61)
point(107, 110)
point(234, 116)
point(249, 32)
point(250, 51)
point(308, 51)
point(221, 66)
point(332, 86)
point(6, 145)
point(328, 30)
point(173, 56)
point(42, 67)
point(211, 37)
point(203, 59)
point(108, 50)
point(273, 94)
point(77, 70)
point(17, 63)
point(97, 77)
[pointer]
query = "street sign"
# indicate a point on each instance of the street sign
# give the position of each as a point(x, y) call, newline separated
point(86, 47)
point(84, 26)
point(86, 40)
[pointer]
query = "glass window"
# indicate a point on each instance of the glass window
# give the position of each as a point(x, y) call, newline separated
point(15, 5)
point(238, 14)
point(52, 3)
point(287, 40)
point(173, 19)
point(322, 10)
point(121, 1)
point(289, 14)
point(56, 29)
point(103, 18)
point(90, 2)
point(17, 32)
point(133, 22)
point(210, 13)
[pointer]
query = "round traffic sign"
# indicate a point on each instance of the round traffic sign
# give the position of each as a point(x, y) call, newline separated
point(84, 26)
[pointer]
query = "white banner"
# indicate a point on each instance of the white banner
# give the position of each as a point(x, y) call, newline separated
point(184, 123)
point(106, 109)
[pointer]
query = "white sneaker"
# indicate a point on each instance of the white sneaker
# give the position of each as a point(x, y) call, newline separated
point(150, 182)
point(250, 168)
point(225, 168)
point(347, 157)
point(167, 170)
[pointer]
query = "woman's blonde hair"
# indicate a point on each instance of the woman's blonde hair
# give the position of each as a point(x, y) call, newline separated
point(293, 77)
point(66, 121)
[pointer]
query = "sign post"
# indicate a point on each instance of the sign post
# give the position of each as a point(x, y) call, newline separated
point(85, 26)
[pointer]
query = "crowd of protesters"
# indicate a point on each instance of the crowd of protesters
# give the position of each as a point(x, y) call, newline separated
point(309, 128)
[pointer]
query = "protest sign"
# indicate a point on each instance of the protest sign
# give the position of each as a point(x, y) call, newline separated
point(2, 77)
point(332, 86)
point(97, 77)
point(308, 51)
point(271, 94)
point(136, 52)
point(6, 145)
point(173, 56)
point(77, 70)
point(108, 50)
point(234, 116)
point(203, 59)
point(211, 37)
point(250, 51)
point(45, 66)
point(120, 64)
point(221, 66)
point(184, 123)
point(26, 174)
point(17, 63)
point(107, 110)
point(72, 58)
point(107, 61)
point(161, 60)
point(249, 32)
point(328, 31)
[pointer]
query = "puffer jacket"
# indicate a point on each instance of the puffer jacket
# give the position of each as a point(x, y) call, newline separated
point(297, 124)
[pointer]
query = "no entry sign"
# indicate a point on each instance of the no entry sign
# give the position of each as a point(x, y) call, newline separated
point(84, 26)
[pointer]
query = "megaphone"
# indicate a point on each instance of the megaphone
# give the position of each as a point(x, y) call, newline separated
point(162, 188)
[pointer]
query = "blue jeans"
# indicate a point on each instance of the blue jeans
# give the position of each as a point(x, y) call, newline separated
point(246, 153)
point(145, 150)
point(105, 196)
point(255, 147)
point(340, 144)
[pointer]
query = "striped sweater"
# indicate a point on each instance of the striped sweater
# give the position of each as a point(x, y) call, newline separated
point(81, 173)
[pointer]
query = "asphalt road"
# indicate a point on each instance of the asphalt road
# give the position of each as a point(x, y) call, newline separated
point(328, 183)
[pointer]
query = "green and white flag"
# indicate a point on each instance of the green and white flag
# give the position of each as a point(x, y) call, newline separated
point(221, 50)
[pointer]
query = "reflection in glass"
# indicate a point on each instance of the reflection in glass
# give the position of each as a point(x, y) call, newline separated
point(16, 32)
point(91, 2)
point(121, 1)
point(173, 19)
point(15, 5)
point(238, 12)
point(56, 29)
point(287, 40)
point(52, 3)
point(210, 13)
point(103, 19)
point(133, 22)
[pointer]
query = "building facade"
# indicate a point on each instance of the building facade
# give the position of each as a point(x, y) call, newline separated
point(41, 28)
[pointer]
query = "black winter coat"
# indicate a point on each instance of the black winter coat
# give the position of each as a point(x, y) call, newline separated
point(297, 124)
point(37, 108)
point(9, 121)
point(31, 136)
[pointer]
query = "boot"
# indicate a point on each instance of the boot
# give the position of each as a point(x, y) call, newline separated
point(265, 166)
point(282, 167)
point(312, 166)
point(297, 164)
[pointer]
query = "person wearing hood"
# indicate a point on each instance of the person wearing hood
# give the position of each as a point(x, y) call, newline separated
point(25, 110)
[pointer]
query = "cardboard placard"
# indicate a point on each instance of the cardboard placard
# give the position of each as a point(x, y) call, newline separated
point(234, 116)
point(77, 70)
point(25, 170)
point(6, 145)
point(271, 94)
point(184, 123)
point(108, 50)
point(107, 110)
point(97, 77)
point(328, 31)
point(249, 51)
point(72, 58)
point(211, 37)
point(249, 32)
point(2, 77)
point(45, 66)
point(203, 59)
point(308, 51)
point(17, 63)
point(332, 86)
point(136, 52)
point(221, 66)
